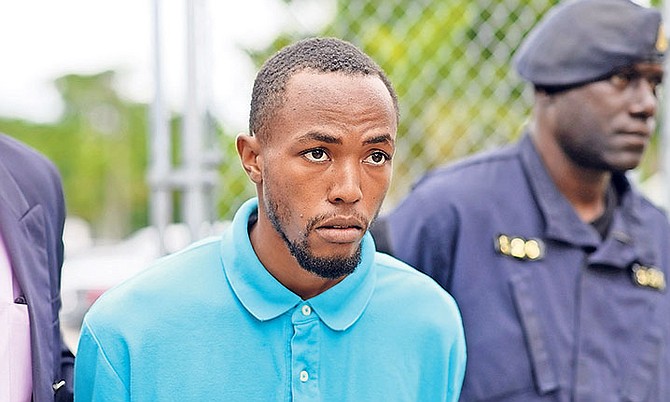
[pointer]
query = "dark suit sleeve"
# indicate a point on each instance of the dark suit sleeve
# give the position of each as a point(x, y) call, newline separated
point(40, 184)
point(65, 393)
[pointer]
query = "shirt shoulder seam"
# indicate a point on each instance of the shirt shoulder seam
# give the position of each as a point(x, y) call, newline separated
point(104, 354)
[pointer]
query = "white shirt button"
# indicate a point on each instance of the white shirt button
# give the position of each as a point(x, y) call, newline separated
point(306, 310)
point(304, 376)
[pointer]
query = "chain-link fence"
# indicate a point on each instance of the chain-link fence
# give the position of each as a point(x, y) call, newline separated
point(450, 62)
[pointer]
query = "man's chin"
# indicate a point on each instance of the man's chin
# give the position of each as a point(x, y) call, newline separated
point(331, 266)
point(331, 275)
point(334, 251)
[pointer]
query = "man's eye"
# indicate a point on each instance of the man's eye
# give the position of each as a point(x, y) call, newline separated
point(622, 79)
point(316, 155)
point(656, 81)
point(377, 158)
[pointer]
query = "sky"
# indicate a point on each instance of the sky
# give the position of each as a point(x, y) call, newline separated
point(45, 39)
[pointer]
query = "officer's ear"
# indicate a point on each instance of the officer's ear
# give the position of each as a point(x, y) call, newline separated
point(248, 147)
point(544, 98)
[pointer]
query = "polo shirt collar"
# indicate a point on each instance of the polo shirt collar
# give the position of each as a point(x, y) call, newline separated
point(266, 298)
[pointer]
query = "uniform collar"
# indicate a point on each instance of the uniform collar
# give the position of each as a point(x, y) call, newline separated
point(266, 298)
point(560, 217)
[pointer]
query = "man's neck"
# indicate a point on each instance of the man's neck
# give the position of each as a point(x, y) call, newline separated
point(585, 189)
point(585, 192)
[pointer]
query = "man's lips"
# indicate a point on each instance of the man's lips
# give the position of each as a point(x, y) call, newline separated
point(341, 229)
point(638, 128)
point(635, 139)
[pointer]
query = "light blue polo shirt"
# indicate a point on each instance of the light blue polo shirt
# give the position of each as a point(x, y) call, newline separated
point(211, 324)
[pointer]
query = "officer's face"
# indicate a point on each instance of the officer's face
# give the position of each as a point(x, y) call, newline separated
point(606, 125)
point(326, 167)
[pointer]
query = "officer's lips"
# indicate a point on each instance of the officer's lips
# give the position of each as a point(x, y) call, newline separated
point(635, 138)
point(639, 130)
point(341, 229)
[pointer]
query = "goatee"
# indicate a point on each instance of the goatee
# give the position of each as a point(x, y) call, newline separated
point(324, 267)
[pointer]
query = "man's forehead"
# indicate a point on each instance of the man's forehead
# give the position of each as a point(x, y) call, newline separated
point(327, 78)
point(335, 88)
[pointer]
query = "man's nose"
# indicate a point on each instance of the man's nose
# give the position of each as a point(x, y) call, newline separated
point(345, 183)
point(645, 102)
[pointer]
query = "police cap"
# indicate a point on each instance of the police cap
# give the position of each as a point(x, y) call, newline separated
point(581, 41)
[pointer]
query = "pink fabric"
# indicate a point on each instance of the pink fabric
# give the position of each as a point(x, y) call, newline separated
point(15, 361)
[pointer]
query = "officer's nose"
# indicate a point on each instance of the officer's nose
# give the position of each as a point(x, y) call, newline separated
point(645, 100)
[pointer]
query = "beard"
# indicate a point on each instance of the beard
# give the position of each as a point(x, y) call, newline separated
point(324, 267)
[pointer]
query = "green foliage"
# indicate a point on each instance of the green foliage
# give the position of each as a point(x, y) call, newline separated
point(99, 145)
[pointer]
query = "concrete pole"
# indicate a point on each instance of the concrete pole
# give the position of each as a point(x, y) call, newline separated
point(160, 208)
point(193, 133)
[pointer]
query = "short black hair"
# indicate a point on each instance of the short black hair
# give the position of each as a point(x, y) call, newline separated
point(324, 55)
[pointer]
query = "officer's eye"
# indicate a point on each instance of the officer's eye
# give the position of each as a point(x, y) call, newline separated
point(316, 155)
point(623, 78)
point(377, 158)
point(627, 77)
point(655, 80)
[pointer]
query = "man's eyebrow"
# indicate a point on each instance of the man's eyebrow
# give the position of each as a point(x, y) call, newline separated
point(378, 139)
point(330, 139)
point(316, 136)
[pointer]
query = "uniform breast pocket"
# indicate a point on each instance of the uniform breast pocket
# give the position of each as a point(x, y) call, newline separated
point(508, 359)
point(546, 380)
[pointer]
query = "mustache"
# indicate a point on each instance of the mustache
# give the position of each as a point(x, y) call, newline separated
point(360, 219)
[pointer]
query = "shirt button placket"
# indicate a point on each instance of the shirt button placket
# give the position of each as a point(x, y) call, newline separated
point(304, 353)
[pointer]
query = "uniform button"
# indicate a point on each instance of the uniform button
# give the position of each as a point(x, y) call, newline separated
point(304, 376)
point(532, 249)
point(306, 310)
point(517, 245)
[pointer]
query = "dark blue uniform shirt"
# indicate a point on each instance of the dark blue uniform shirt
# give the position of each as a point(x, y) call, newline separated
point(552, 311)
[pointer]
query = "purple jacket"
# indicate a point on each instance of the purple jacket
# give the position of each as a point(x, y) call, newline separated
point(32, 215)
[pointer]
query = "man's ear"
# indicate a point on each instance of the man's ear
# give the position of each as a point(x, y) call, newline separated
point(248, 147)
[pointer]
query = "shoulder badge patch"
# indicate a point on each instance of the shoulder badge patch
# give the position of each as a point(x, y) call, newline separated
point(661, 40)
point(519, 247)
point(648, 277)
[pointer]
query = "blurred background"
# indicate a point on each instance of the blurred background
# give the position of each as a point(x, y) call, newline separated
point(138, 103)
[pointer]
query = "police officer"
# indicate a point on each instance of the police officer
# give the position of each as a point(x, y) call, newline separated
point(558, 264)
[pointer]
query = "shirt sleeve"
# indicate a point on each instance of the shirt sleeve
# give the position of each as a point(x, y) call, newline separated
point(457, 361)
point(96, 380)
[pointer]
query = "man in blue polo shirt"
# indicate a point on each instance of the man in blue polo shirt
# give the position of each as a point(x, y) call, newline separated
point(557, 263)
point(292, 303)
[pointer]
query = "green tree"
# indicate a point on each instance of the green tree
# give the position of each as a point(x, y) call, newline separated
point(99, 145)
